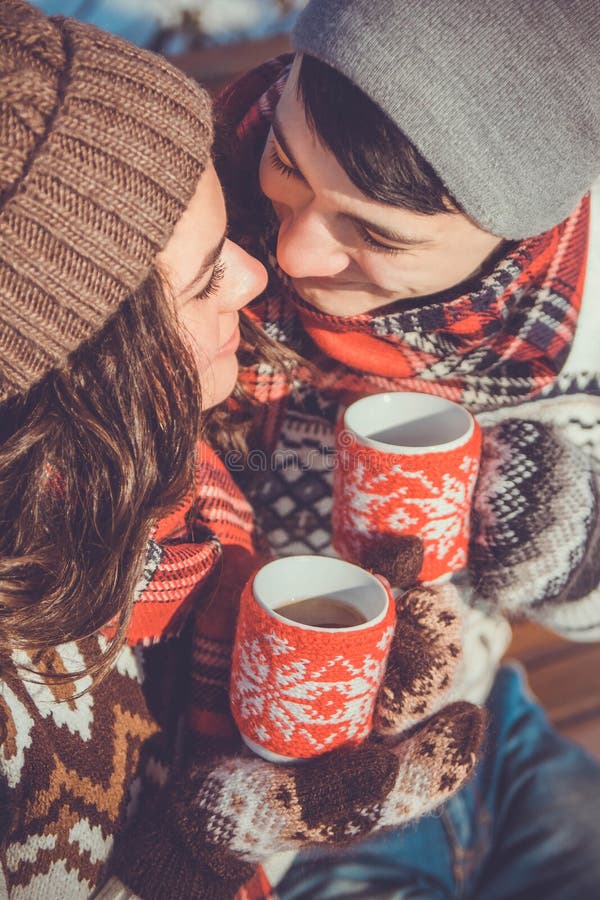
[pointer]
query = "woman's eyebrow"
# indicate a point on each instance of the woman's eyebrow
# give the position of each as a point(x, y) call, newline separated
point(209, 260)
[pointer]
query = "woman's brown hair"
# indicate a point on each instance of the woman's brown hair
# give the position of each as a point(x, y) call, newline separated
point(89, 459)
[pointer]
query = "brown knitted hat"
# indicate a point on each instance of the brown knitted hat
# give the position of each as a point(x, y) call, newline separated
point(101, 148)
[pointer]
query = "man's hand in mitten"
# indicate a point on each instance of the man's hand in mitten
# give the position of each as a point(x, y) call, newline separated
point(230, 810)
point(535, 531)
point(426, 647)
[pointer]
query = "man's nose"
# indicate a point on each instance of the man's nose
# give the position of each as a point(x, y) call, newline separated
point(306, 248)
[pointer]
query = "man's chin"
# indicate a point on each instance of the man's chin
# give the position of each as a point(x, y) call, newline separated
point(339, 302)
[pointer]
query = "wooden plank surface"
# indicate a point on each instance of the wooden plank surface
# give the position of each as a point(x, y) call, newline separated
point(565, 677)
point(214, 67)
point(585, 732)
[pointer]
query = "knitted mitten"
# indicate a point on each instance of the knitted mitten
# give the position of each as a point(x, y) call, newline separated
point(535, 540)
point(423, 658)
point(426, 647)
point(229, 810)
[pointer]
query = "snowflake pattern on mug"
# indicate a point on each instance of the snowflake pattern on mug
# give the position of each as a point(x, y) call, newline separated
point(425, 494)
point(301, 692)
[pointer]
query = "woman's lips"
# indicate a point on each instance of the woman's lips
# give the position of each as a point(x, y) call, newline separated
point(231, 344)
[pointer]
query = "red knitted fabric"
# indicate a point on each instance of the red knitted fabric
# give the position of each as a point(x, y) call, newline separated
point(299, 693)
point(258, 888)
point(185, 563)
point(381, 494)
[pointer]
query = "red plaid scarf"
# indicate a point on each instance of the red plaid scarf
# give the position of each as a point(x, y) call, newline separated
point(498, 343)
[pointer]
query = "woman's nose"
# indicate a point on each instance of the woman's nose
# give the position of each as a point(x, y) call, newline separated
point(247, 277)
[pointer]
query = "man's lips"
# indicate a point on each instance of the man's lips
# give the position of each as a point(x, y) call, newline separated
point(326, 284)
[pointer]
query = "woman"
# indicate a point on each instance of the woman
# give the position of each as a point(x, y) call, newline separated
point(119, 300)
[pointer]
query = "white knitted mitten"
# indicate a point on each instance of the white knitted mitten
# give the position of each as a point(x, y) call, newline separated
point(535, 534)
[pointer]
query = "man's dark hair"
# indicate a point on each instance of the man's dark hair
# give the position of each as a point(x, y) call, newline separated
point(378, 159)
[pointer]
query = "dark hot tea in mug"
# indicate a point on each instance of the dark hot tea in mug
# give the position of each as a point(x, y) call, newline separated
point(322, 612)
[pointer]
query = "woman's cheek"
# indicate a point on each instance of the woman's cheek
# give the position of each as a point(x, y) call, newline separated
point(201, 325)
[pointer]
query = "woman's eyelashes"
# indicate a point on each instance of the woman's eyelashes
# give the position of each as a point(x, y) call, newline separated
point(215, 280)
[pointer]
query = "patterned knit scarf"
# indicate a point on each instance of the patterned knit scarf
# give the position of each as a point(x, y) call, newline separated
point(183, 554)
point(494, 342)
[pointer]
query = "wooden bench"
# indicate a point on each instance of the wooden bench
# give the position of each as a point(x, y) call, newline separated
point(565, 677)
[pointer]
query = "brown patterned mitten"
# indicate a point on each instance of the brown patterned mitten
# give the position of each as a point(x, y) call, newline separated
point(229, 811)
point(423, 658)
point(425, 650)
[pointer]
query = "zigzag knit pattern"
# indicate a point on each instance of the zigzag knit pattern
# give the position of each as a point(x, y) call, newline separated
point(74, 769)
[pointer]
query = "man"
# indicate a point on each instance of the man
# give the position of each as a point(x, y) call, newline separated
point(427, 168)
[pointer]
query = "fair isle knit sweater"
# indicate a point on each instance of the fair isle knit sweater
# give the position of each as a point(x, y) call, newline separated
point(520, 343)
point(75, 770)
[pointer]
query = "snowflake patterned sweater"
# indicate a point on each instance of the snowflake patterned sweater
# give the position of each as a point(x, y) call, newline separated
point(76, 767)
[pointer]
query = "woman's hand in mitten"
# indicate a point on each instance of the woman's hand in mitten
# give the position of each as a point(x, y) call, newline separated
point(230, 810)
point(426, 647)
point(535, 540)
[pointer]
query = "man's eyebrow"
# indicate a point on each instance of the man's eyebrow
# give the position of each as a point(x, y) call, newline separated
point(280, 137)
point(209, 260)
point(387, 233)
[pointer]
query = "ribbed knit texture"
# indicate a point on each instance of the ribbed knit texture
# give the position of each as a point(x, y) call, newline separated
point(103, 145)
point(502, 99)
point(185, 549)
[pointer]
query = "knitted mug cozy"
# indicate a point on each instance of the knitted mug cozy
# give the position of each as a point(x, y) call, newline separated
point(384, 489)
point(299, 691)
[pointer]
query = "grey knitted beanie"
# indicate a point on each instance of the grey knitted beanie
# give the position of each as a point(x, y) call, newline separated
point(501, 98)
point(101, 148)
